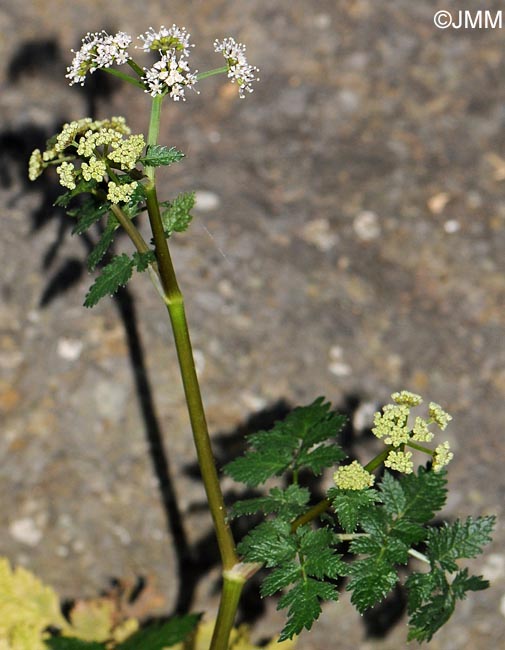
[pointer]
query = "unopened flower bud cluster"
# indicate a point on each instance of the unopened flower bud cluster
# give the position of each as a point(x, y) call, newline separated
point(104, 147)
point(353, 477)
point(392, 426)
point(171, 74)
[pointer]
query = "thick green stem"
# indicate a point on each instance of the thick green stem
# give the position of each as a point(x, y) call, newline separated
point(154, 131)
point(175, 304)
point(233, 579)
point(230, 596)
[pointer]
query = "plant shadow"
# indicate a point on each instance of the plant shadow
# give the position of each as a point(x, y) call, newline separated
point(64, 273)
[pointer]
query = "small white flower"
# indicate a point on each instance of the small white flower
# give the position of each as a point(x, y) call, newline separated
point(175, 39)
point(239, 70)
point(98, 50)
point(169, 74)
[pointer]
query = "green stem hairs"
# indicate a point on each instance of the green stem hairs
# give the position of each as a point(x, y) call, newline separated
point(375, 517)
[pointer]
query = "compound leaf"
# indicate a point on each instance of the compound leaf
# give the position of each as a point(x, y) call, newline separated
point(294, 443)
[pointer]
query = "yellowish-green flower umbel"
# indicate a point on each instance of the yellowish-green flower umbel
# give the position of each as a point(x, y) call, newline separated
point(442, 456)
point(353, 477)
point(392, 426)
point(407, 398)
point(400, 461)
point(439, 416)
point(120, 193)
point(104, 149)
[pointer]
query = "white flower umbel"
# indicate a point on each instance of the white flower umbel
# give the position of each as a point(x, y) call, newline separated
point(98, 50)
point(239, 70)
point(169, 75)
point(175, 39)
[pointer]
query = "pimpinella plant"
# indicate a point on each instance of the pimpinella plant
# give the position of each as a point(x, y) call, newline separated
point(379, 514)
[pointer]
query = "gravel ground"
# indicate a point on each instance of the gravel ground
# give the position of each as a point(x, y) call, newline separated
point(348, 242)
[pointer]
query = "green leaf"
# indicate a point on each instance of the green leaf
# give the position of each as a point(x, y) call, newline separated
point(372, 579)
point(70, 643)
point(87, 214)
point(425, 494)
point(294, 443)
point(83, 186)
point(432, 599)
point(142, 260)
point(271, 455)
point(463, 583)
point(289, 503)
point(115, 274)
point(409, 532)
point(367, 544)
point(319, 458)
point(303, 603)
point(317, 562)
point(430, 603)
point(458, 540)
point(104, 242)
point(351, 504)
point(430, 618)
point(392, 495)
point(136, 204)
point(314, 423)
point(281, 577)
point(177, 217)
point(157, 637)
point(421, 585)
point(271, 543)
point(158, 155)
point(377, 523)
point(318, 557)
